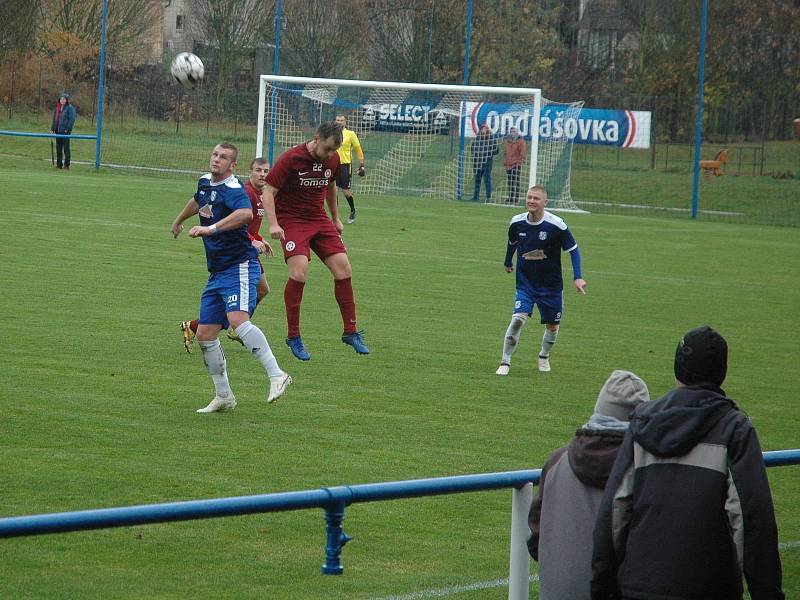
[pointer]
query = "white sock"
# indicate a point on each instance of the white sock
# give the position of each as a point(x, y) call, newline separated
point(217, 366)
point(548, 339)
point(255, 341)
point(512, 336)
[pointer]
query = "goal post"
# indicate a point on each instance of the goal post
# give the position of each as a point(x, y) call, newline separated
point(418, 139)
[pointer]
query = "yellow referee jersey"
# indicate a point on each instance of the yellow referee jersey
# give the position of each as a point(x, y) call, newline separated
point(349, 143)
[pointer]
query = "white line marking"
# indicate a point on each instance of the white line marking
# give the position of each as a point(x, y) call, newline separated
point(456, 589)
point(496, 583)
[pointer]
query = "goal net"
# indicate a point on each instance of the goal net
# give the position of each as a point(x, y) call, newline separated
point(425, 139)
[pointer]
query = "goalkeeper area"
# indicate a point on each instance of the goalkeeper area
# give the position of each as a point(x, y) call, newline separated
point(420, 139)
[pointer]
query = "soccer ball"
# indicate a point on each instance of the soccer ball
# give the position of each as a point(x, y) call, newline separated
point(187, 68)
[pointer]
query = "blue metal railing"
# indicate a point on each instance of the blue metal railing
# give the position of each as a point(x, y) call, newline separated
point(333, 500)
point(73, 136)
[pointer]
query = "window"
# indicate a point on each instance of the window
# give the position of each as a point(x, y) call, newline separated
point(602, 48)
point(178, 22)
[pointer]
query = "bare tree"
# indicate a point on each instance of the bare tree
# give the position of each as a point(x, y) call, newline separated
point(319, 36)
point(18, 29)
point(231, 27)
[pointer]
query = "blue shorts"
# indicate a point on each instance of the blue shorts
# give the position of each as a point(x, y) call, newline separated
point(550, 303)
point(233, 289)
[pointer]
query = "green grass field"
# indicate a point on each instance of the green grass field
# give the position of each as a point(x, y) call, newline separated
point(99, 397)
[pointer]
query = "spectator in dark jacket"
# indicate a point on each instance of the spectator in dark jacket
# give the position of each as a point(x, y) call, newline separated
point(63, 122)
point(484, 149)
point(563, 512)
point(687, 509)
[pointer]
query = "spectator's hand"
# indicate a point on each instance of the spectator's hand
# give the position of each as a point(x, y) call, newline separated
point(361, 171)
point(276, 232)
point(580, 285)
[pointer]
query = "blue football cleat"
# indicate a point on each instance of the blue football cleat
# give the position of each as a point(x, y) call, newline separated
point(356, 341)
point(298, 348)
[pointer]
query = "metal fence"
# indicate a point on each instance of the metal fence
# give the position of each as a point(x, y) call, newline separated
point(334, 501)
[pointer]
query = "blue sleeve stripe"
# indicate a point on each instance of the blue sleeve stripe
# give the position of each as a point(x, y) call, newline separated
point(575, 256)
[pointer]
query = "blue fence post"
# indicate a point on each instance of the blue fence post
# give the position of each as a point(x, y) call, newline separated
point(336, 538)
point(698, 129)
point(461, 115)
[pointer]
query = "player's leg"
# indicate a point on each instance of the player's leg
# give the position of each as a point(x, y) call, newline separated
point(212, 320)
point(292, 299)
point(240, 295)
point(261, 291)
point(342, 272)
point(523, 306)
point(59, 153)
point(351, 200)
point(550, 308)
point(344, 182)
point(296, 253)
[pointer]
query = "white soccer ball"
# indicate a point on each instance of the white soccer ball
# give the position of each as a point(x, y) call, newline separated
point(187, 68)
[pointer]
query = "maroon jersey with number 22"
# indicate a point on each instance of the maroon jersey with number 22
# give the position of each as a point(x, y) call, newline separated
point(302, 183)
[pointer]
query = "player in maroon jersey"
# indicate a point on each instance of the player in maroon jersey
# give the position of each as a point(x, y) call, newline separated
point(253, 187)
point(297, 188)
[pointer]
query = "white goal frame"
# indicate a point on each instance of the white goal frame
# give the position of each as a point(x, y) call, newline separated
point(433, 87)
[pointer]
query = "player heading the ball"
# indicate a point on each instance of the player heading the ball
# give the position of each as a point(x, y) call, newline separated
point(301, 182)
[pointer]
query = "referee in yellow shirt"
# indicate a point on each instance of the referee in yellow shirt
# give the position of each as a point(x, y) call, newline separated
point(349, 143)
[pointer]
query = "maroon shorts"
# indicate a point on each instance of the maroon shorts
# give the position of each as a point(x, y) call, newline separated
point(301, 237)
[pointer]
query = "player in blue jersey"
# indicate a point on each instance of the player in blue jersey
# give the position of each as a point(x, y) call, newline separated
point(234, 271)
point(538, 237)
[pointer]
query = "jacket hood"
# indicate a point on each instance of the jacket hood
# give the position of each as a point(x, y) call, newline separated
point(674, 424)
point(592, 453)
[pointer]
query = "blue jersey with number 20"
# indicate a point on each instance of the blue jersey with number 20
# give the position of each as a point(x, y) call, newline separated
point(217, 201)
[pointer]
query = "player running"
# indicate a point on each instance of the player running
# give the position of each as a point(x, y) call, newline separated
point(350, 142)
point(234, 271)
point(253, 187)
point(538, 237)
point(300, 183)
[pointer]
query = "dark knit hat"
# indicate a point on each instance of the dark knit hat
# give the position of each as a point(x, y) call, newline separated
point(621, 393)
point(701, 357)
point(65, 95)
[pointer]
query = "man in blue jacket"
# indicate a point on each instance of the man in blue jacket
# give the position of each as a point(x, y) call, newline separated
point(63, 122)
point(687, 509)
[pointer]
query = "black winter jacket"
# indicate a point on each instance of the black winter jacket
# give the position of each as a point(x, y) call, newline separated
point(687, 509)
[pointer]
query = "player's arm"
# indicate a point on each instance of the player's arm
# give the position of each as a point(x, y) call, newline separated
point(361, 171)
point(235, 220)
point(577, 274)
point(268, 200)
point(333, 205)
point(191, 209)
point(511, 248)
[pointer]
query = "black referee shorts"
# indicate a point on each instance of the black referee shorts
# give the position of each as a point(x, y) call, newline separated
point(344, 180)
